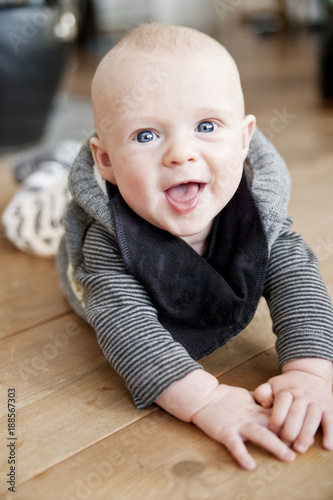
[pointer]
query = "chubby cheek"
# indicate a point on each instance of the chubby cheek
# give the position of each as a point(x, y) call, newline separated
point(135, 191)
point(228, 173)
point(131, 191)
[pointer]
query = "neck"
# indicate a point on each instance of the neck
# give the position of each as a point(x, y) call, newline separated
point(199, 242)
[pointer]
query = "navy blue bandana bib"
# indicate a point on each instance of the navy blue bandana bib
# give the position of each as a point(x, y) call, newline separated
point(201, 301)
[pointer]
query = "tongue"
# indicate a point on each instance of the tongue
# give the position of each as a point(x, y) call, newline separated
point(183, 192)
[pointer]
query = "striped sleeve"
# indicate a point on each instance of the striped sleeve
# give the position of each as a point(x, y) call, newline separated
point(299, 303)
point(126, 322)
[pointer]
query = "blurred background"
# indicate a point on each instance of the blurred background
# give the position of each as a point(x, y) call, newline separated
point(49, 50)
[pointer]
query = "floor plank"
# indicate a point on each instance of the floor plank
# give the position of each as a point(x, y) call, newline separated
point(29, 293)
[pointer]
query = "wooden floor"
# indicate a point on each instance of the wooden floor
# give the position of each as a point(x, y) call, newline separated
point(78, 433)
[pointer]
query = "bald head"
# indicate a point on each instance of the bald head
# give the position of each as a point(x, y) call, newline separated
point(149, 43)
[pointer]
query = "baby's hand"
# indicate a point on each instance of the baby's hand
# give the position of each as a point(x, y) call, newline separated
point(302, 400)
point(231, 417)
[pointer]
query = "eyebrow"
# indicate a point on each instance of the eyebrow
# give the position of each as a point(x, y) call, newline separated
point(206, 112)
point(213, 111)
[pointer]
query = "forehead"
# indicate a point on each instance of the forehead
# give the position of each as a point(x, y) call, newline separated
point(175, 81)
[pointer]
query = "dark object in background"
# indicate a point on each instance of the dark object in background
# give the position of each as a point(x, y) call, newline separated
point(34, 42)
point(326, 67)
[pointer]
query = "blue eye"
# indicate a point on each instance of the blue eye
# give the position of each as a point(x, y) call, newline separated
point(145, 136)
point(206, 127)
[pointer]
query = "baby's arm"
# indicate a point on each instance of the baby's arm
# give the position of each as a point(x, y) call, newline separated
point(302, 400)
point(302, 316)
point(227, 414)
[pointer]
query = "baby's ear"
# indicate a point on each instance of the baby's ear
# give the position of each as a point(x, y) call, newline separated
point(249, 125)
point(102, 160)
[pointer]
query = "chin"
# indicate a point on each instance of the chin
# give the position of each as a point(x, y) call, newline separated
point(194, 235)
point(190, 229)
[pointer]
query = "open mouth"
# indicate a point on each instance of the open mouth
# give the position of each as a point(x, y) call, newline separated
point(184, 197)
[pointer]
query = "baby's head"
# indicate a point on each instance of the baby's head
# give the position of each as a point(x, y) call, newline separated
point(171, 130)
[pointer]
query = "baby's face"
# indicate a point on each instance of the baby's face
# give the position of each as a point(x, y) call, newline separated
point(174, 141)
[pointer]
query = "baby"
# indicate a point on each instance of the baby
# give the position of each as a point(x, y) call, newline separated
point(177, 227)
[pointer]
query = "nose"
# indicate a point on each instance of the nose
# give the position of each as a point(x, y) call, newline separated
point(178, 152)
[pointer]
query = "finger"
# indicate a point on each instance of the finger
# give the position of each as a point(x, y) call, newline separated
point(263, 394)
point(268, 440)
point(294, 421)
point(281, 407)
point(310, 426)
point(327, 426)
point(238, 450)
